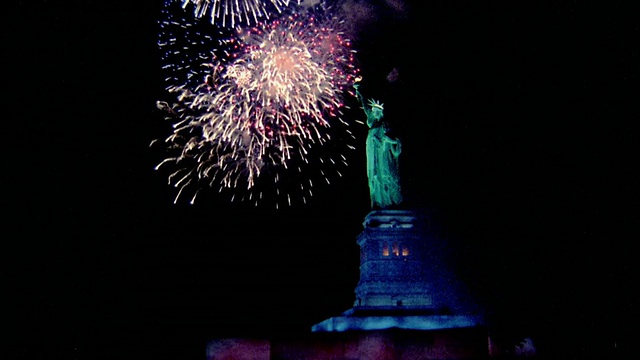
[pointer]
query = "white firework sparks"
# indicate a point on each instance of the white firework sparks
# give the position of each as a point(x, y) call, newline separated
point(274, 98)
point(229, 13)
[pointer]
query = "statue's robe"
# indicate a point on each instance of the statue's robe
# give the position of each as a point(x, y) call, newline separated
point(383, 168)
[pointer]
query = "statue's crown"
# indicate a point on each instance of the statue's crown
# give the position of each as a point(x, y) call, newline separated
point(376, 104)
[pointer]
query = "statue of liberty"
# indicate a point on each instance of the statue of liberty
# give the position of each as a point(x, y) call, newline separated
point(382, 157)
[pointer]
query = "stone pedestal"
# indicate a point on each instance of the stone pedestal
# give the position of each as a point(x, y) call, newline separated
point(404, 282)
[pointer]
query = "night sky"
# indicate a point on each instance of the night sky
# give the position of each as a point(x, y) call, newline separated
point(518, 122)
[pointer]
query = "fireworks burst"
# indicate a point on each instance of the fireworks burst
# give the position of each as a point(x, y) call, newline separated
point(271, 96)
point(229, 13)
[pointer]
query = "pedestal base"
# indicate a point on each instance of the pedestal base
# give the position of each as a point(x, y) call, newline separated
point(364, 318)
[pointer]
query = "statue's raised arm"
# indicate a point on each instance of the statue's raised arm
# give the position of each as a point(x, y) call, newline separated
point(367, 111)
point(383, 152)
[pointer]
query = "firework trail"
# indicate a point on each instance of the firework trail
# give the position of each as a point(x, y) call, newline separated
point(270, 96)
point(185, 45)
point(229, 13)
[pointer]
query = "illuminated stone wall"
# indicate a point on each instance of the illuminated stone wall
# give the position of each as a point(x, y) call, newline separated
point(394, 344)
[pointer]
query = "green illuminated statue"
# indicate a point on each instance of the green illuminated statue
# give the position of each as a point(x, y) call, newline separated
point(382, 157)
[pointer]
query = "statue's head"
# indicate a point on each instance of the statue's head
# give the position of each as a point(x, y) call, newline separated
point(377, 109)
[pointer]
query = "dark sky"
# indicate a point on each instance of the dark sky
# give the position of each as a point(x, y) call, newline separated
point(518, 121)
